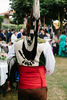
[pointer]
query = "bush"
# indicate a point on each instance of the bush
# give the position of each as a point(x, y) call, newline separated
point(1, 20)
point(12, 26)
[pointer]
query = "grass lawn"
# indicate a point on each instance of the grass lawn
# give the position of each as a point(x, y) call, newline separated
point(57, 83)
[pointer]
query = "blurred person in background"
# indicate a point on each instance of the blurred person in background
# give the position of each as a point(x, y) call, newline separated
point(2, 35)
point(8, 36)
point(20, 34)
point(12, 31)
point(62, 43)
point(66, 44)
point(55, 44)
point(43, 34)
point(14, 37)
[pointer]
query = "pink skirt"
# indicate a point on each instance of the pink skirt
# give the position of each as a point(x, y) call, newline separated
point(32, 77)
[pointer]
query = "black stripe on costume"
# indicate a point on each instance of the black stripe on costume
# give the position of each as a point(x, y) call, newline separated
point(42, 60)
point(21, 54)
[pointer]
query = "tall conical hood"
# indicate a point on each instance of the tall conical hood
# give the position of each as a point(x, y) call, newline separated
point(30, 42)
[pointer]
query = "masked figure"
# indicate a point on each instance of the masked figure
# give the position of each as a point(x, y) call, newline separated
point(35, 59)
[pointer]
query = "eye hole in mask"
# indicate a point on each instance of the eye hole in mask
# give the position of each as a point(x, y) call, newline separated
point(30, 38)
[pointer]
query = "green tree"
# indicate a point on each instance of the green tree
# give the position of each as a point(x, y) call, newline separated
point(1, 20)
point(21, 7)
point(51, 9)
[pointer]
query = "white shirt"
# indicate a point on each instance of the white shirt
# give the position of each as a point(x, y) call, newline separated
point(13, 38)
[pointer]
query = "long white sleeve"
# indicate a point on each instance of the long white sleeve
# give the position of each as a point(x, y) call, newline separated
point(11, 52)
point(50, 60)
point(13, 38)
point(11, 59)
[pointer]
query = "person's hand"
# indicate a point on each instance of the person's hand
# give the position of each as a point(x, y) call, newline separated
point(23, 37)
point(5, 36)
point(9, 43)
point(59, 41)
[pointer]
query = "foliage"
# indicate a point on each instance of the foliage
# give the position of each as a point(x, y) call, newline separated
point(21, 7)
point(13, 26)
point(51, 9)
point(1, 20)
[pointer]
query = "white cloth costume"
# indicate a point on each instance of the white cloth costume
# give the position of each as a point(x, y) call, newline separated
point(41, 47)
